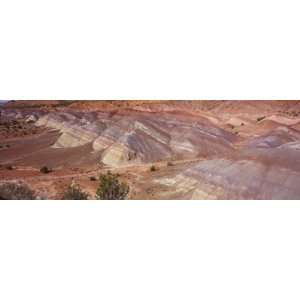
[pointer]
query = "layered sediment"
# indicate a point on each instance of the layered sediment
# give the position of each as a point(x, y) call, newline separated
point(227, 149)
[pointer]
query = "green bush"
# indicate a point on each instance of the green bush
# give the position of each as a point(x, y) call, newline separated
point(74, 192)
point(16, 191)
point(110, 188)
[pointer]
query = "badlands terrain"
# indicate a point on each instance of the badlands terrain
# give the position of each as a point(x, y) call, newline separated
point(161, 149)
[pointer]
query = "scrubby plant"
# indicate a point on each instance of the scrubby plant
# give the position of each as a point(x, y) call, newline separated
point(16, 191)
point(45, 170)
point(110, 188)
point(9, 167)
point(260, 119)
point(153, 168)
point(93, 178)
point(170, 164)
point(74, 192)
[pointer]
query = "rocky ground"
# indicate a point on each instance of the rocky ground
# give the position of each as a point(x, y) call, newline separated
point(200, 149)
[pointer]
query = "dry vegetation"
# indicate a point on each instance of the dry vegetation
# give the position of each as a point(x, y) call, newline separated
point(16, 191)
point(16, 128)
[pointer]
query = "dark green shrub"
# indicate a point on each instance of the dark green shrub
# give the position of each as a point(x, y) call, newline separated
point(110, 188)
point(16, 191)
point(74, 192)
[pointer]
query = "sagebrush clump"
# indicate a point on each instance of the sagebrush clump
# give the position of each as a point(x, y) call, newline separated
point(16, 191)
point(110, 188)
point(74, 192)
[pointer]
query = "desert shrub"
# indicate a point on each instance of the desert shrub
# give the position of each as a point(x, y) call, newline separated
point(3, 146)
point(9, 167)
point(260, 119)
point(242, 124)
point(110, 188)
point(153, 168)
point(74, 192)
point(16, 191)
point(45, 170)
point(170, 164)
point(93, 178)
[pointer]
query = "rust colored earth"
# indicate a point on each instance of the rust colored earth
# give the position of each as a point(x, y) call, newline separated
point(199, 149)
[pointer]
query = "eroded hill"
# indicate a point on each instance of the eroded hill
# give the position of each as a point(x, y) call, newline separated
point(201, 149)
